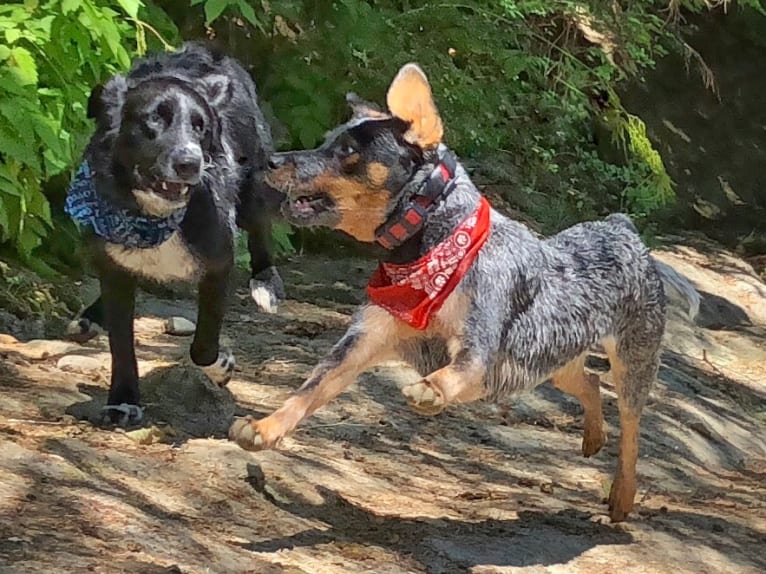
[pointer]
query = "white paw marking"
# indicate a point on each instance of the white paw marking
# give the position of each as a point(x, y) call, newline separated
point(129, 414)
point(82, 330)
point(263, 295)
point(78, 327)
point(222, 369)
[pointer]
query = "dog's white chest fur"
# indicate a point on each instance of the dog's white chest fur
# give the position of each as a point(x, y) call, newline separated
point(169, 261)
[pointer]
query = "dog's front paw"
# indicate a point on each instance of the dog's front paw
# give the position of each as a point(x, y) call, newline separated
point(81, 330)
point(221, 371)
point(123, 415)
point(266, 289)
point(246, 433)
point(424, 398)
point(593, 441)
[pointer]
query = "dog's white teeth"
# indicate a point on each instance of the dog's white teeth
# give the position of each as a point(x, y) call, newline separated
point(184, 190)
point(164, 186)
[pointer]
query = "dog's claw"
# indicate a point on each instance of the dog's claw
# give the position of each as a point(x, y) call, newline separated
point(243, 431)
point(122, 415)
point(423, 398)
point(221, 371)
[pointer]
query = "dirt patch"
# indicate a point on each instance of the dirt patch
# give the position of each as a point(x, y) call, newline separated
point(368, 486)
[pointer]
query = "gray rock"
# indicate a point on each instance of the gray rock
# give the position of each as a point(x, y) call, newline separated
point(179, 326)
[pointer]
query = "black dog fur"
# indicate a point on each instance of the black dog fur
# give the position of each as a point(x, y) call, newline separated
point(181, 128)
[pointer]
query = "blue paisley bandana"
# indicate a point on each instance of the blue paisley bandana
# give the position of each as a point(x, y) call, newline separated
point(88, 209)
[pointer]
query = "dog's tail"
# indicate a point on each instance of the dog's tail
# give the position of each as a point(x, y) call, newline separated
point(669, 276)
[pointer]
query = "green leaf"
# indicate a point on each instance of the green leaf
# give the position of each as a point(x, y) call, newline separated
point(13, 146)
point(5, 52)
point(249, 14)
point(12, 34)
point(23, 65)
point(68, 6)
point(213, 9)
point(4, 221)
point(130, 6)
point(10, 188)
point(28, 241)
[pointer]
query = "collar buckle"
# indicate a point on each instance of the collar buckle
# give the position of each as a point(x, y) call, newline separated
point(410, 219)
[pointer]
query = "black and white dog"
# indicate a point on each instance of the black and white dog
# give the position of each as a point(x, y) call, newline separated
point(173, 168)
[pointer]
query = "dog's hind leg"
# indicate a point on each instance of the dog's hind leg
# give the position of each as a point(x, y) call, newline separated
point(634, 361)
point(370, 340)
point(573, 380)
point(205, 350)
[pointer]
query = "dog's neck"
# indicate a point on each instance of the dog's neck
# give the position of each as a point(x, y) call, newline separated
point(441, 221)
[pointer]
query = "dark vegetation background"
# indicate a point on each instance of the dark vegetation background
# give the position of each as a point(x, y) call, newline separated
point(564, 109)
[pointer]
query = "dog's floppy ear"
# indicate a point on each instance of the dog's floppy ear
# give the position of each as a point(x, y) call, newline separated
point(95, 103)
point(363, 109)
point(106, 101)
point(410, 99)
point(217, 89)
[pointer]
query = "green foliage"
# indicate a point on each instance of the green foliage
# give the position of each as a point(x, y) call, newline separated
point(54, 53)
point(28, 297)
point(514, 80)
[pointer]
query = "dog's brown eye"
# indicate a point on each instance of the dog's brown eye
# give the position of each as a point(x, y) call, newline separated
point(350, 161)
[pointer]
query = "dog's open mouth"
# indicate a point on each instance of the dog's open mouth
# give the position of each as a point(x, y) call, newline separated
point(170, 190)
point(308, 209)
point(161, 198)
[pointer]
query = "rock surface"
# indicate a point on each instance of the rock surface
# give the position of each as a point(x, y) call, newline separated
point(179, 326)
point(368, 486)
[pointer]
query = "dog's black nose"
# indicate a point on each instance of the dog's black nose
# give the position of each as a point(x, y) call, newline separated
point(277, 160)
point(186, 165)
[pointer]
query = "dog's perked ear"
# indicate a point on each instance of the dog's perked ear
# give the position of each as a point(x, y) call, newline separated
point(217, 90)
point(105, 102)
point(410, 99)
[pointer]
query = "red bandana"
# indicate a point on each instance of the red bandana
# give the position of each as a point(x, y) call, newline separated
point(415, 291)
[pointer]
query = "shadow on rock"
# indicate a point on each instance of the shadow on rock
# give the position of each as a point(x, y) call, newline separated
point(441, 545)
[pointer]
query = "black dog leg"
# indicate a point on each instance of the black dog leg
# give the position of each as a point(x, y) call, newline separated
point(118, 294)
point(205, 351)
point(266, 286)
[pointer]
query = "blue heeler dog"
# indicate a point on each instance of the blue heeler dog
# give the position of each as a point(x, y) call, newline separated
point(472, 299)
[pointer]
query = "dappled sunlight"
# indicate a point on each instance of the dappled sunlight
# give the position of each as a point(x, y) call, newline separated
point(478, 488)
